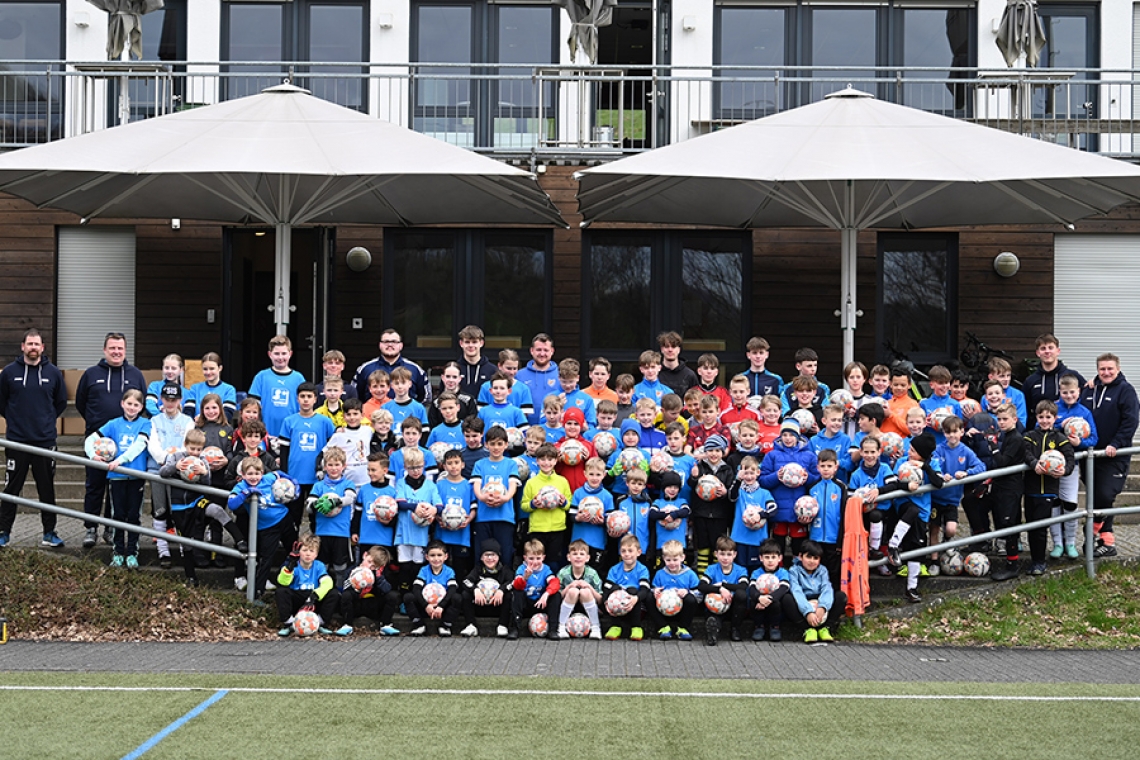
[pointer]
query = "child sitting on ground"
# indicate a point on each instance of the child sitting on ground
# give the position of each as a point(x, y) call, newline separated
point(580, 585)
point(304, 583)
point(811, 600)
point(677, 577)
point(632, 577)
point(476, 600)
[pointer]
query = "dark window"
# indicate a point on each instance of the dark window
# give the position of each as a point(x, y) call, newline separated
point(917, 312)
point(621, 286)
point(421, 287)
point(751, 37)
point(1071, 42)
point(30, 108)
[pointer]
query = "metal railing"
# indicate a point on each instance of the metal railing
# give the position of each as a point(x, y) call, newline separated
point(584, 112)
point(250, 556)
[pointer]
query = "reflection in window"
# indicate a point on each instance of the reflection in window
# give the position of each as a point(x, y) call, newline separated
point(423, 286)
point(514, 284)
point(842, 37)
point(443, 95)
point(30, 102)
point(915, 314)
point(934, 38)
point(620, 291)
point(333, 39)
point(750, 37)
point(256, 33)
point(525, 35)
point(712, 291)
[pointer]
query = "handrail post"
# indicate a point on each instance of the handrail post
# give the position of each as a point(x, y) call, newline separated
point(251, 543)
point(1090, 542)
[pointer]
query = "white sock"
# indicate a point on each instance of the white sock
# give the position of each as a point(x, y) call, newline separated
point(219, 513)
point(900, 533)
point(564, 613)
point(592, 613)
point(1055, 528)
point(162, 544)
point(913, 569)
point(876, 535)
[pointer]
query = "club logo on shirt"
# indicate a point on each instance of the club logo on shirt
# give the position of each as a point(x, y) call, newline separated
point(308, 441)
point(280, 397)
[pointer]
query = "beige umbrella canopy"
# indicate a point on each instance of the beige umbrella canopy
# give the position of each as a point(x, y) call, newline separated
point(124, 22)
point(1021, 33)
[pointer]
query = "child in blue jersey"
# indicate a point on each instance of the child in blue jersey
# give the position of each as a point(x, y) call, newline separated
point(579, 584)
point(552, 419)
point(765, 609)
point(569, 373)
point(747, 444)
point(130, 433)
point(668, 515)
point(807, 366)
point(1064, 535)
point(869, 417)
point(650, 438)
point(450, 428)
point(632, 577)
point(187, 508)
point(1001, 371)
point(272, 515)
point(494, 481)
point(911, 531)
point(871, 477)
point(749, 496)
point(833, 438)
point(811, 599)
point(368, 529)
point(276, 387)
point(301, 440)
point(591, 530)
point(331, 500)
point(476, 601)
point(535, 590)
point(830, 493)
point(419, 503)
point(636, 503)
point(676, 576)
point(791, 449)
point(649, 363)
point(304, 583)
point(630, 438)
point(730, 581)
point(455, 491)
point(212, 372)
point(500, 411)
point(519, 392)
point(403, 406)
point(172, 374)
point(939, 401)
point(473, 448)
point(420, 609)
point(682, 463)
point(956, 461)
point(376, 605)
point(411, 434)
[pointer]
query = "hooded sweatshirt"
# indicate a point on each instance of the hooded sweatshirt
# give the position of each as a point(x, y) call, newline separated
point(32, 396)
point(1115, 410)
point(542, 383)
point(779, 456)
point(100, 393)
point(1044, 384)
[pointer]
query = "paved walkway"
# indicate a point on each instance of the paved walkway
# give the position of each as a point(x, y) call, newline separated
point(580, 659)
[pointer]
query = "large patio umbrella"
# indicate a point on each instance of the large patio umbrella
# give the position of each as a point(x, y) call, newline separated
point(124, 23)
point(282, 157)
point(1021, 33)
point(851, 162)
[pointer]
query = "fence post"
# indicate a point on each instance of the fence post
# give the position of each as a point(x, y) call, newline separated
point(251, 591)
point(1090, 543)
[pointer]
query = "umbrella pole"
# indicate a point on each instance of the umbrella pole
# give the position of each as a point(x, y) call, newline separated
point(848, 312)
point(282, 268)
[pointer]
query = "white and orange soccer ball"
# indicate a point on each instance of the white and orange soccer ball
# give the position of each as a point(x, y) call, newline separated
point(969, 408)
point(439, 450)
point(1053, 462)
point(938, 416)
point(617, 601)
point(573, 452)
point(384, 509)
point(766, 583)
point(910, 472)
point(715, 604)
point(631, 459)
point(707, 486)
point(515, 438)
point(214, 457)
point(306, 623)
point(605, 443)
point(843, 397)
point(361, 579)
point(806, 508)
point(284, 491)
point(617, 523)
point(792, 475)
point(548, 497)
point(524, 468)
point(433, 593)
point(539, 625)
point(592, 508)
point(452, 517)
point(660, 462)
point(669, 602)
point(193, 469)
point(105, 449)
point(578, 626)
point(1078, 427)
point(806, 421)
point(891, 444)
point(753, 518)
point(488, 587)
point(977, 565)
point(494, 488)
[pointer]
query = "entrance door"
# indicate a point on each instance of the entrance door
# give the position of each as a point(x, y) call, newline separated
point(627, 43)
point(249, 324)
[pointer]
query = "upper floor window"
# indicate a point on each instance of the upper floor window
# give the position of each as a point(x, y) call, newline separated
point(31, 43)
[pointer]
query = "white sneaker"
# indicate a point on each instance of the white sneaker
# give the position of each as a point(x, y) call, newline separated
point(240, 583)
point(501, 631)
point(269, 586)
point(444, 631)
point(563, 633)
point(418, 631)
point(596, 633)
point(471, 630)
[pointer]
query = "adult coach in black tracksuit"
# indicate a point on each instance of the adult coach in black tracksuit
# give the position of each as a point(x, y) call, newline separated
point(32, 396)
point(1116, 412)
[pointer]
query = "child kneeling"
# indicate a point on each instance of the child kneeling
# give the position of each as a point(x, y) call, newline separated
point(304, 582)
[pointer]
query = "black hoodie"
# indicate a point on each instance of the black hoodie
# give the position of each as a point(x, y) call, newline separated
point(1115, 411)
point(32, 396)
point(99, 396)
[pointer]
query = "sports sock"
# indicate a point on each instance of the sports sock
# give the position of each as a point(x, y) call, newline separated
point(876, 535)
point(702, 560)
point(1108, 538)
point(564, 613)
point(591, 608)
point(913, 569)
point(1055, 528)
point(162, 544)
point(1069, 528)
point(900, 533)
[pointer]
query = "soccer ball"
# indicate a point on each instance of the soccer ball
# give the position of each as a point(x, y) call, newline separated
point(494, 488)
point(306, 623)
point(660, 462)
point(192, 469)
point(1078, 427)
point(792, 475)
point(631, 459)
point(707, 487)
point(864, 493)
point(910, 472)
point(615, 604)
point(938, 416)
point(384, 509)
point(592, 507)
point(842, 397)
point(538, 625)
point(284, 491)
point(1053, 463)
point(105, 449)
point(578, 626)
point(605, 443)
point(361, 579)
point(434, 593)
point(951, 563)
point(548, 497)
point(573, 452)
point(452, 517)
point(669, 602)
point(753, 518)
point(214, 457)
point(524, 468)
point(515, 438)
point(423, 522)
point(892, 445)
point(716, 605)
point(439, 449)
point(806, 420)
point(806, 508)
point(766, 583)
point(969, 408)
point(617, 523)
point(977, 565)
point(487, 587)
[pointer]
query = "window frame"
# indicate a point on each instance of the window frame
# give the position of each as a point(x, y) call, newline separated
point(890, 241)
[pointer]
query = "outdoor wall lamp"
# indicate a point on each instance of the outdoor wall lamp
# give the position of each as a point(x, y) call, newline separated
point(384, 20)
point(358, 259)
point(1006, 264)
point(689, 23)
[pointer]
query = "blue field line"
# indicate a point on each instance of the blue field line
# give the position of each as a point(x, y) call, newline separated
point(149, 744)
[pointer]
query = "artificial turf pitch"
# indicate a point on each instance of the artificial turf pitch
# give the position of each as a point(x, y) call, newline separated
point(183, 716)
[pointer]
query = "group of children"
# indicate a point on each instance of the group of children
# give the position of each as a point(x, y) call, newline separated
point(605, 498)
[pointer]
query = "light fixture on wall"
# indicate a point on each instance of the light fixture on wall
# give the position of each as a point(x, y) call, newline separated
point(689, 23)
point(358, 259)
point(1007, 264)
point(384, 20)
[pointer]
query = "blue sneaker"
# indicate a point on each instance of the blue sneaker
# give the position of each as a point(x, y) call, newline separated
point(52, 540)
point(4, 539)
point(389, 630)
point(117, 560)
point(132, 562)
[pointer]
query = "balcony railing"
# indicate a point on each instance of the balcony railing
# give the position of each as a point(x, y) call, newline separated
point(570, 112)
